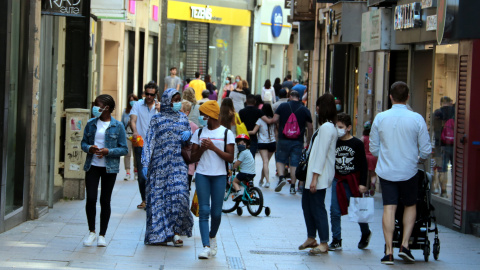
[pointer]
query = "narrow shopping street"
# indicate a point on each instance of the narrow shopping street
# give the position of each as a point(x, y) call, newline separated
point(54, 241)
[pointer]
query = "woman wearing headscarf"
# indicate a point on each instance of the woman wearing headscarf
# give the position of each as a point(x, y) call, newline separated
point(167, 195)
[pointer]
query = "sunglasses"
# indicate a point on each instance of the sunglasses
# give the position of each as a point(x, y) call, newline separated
point(148, 94)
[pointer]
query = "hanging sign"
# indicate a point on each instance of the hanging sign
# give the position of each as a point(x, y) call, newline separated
point(72, 8)
point(407, 16)
point(277, 21)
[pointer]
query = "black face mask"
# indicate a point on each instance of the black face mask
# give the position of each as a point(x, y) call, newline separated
point(241, 147)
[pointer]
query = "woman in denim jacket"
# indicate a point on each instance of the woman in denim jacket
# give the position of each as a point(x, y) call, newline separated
point(104, 141)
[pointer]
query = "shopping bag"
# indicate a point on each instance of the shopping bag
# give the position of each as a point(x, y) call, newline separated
point(195, 208)
point(241, 128)
point(361, 210)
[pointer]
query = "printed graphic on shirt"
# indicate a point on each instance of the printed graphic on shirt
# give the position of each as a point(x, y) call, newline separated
point(344, 159)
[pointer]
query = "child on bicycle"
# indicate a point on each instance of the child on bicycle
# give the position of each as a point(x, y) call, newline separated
point(245, 163)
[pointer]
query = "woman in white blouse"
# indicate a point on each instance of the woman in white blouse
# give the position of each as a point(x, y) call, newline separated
point(320, 174)
point(268, 92)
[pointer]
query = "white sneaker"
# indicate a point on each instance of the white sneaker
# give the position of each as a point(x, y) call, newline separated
point(213, 246)
point(205, 254)
point(237, 195)
point(90, 239)
point(260, 184)
point(101, 241)
point(267, 185)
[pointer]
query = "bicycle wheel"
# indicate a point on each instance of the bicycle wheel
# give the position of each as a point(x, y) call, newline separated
point(229, 205)
point(255, 204)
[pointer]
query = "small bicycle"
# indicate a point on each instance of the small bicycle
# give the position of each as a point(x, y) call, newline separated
point(252, 197)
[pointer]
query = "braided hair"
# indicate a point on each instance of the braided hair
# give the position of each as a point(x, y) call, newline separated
point(107, 100)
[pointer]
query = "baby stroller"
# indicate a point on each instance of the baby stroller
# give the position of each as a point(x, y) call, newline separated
point(423, 222)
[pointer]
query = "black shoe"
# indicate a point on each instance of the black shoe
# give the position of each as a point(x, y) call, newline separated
point(406, 255)
point(281, 183)
point(292, 189)
point(365, 240)
point(388, 259)
point(335, 244)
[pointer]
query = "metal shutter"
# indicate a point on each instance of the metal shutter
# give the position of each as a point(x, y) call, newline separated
point(197, 49)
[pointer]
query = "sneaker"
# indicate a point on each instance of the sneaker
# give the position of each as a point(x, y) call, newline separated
point(335, 244)
point(267, 185)
point(292, 189)
point(213, 246)
point(365, 240)
point(388, 259)
point(127, 177)
point(406, 255)
point(260, 183)
point(205, 254)
point(101, 241)
point(90, 239)
point(281, 183)
point(136, 176)
point(237, 195)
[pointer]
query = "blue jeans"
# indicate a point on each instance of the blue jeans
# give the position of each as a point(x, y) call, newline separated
point(210, 188)
point(141, 178)
point(336, 215)
point(315, 214)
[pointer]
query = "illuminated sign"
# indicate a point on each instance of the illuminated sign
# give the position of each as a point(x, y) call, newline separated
point(407, 16)
point(63, 7)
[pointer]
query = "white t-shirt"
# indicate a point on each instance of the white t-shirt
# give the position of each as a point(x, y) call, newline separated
point(100, 142)
point(210, 163)
point(263, 135)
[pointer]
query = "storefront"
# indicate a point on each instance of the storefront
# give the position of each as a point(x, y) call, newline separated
point(209, 38)
point(271, 36)
point(343, 23)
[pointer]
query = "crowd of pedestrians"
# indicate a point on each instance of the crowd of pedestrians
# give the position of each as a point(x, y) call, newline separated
point(188, 136)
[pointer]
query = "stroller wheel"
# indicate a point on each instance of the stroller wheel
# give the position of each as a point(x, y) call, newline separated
point(436, 250)
point(426, 251)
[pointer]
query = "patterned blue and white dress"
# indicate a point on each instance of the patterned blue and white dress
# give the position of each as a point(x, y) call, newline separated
point(167, 195)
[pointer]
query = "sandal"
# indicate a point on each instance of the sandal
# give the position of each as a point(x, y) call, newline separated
point(305, 246)
point(318, 250)
point(177, 241)
point(141, 206)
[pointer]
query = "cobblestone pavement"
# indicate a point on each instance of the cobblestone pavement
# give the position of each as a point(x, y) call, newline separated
point(54, 241)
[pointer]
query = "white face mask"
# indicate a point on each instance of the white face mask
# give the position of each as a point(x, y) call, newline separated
point(341, 132)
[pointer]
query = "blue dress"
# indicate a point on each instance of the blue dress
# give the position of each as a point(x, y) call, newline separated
point(166, 189)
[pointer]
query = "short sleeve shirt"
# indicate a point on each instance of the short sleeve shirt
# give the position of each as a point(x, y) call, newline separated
point(248, 163)
point(265, 135)
point(301, 112)
point(249, 115)
point(210, 163)
point(172, 82)
point(144, 115)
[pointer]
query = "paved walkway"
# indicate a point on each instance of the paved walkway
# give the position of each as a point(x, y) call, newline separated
point(55, 241)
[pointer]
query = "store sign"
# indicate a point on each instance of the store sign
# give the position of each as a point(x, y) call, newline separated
point(277, 21)
point(332, 24)
point(288, 4)
point(407, 16)
point(63, 7)
point(203, 13)
point(428, 3)
point(432, 23)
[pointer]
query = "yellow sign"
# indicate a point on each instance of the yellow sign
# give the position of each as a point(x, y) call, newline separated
point(208, 14)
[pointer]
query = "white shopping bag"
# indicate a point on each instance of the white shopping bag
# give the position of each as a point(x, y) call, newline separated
point(361, 210)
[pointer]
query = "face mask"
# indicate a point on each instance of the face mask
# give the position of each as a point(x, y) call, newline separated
point(227, 81)
point(132, 102)
point(339, 107)
point(241, 147)
point(202, 121)
point(177, 106)
point(237, 80)
point(97, 111)
point(341, 132)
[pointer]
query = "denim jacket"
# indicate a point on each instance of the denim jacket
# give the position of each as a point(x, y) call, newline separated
point(115, 142)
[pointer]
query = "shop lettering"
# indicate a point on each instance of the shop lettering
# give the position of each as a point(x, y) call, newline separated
point(62, 7)
point(407, 16)
point(203, 13)
point(278, 18)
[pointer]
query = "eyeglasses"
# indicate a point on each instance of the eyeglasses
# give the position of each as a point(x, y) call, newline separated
point(149, 94)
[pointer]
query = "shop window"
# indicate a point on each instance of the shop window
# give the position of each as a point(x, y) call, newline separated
point(443, 119)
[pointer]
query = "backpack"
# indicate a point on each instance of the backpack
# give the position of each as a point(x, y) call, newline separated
point(267, 97)
point(291, 129)
point(448, 132)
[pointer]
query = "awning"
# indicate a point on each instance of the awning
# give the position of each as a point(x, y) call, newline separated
point(109, 10)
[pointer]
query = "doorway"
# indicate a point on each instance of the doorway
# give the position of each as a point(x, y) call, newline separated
point(263, 66)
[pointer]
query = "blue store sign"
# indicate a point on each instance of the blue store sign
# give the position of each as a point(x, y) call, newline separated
point(277, 21)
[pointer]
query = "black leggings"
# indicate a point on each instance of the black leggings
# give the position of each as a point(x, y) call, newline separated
point(92, 180)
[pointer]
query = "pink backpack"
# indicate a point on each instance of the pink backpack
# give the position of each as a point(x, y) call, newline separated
point(291, 129)
point(448, 132)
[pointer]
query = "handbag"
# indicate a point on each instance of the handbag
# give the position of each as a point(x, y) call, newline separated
point(301, 171)
point(241, 128)
point(361, 209)
point(195, 208)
